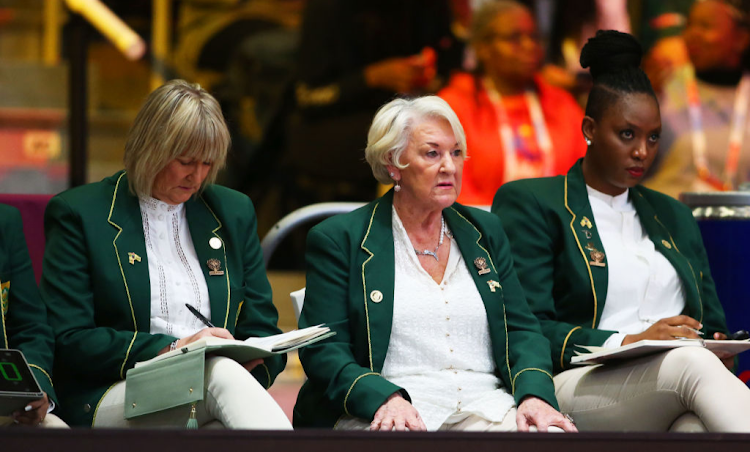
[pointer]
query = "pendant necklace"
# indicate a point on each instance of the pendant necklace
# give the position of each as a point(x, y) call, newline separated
point(440, 242)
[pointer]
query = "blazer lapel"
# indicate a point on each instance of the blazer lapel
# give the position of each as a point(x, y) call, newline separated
point(664, 243)
point(130, 251)
point(378, 273)
point(473, 248)
point(205, 230)
point(591, 253)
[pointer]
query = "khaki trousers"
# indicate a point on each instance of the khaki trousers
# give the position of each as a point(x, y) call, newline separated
point(234, 399)
point(685, 389)
point(50, 421)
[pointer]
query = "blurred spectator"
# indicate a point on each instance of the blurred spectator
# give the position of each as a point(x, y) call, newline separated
point(354, 56)
point(574, 22)
point(705, 106)
point(517, 126)
point(661, 26)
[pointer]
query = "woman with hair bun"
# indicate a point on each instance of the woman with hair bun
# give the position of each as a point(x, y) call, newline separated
point(606, 262)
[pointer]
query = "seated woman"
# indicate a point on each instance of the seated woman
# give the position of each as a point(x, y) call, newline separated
point(704, 108)
point(433, 332)
point(24, 319)
point(517, 125)
point(606, 262)
point(124, 257)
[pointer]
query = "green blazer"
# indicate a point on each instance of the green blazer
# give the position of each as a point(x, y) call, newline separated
point(350, 284)
point(24, 318)
point(99, 300)
point(547, 221)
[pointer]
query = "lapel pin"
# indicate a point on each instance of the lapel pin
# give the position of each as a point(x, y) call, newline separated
point(132, 258)
point(597, 257)
point(214, 243)
point(215, 266)
point(585, 222)
point(586, 233)
point(666, 244)
point(376, 296)
point(481, 264)
point(493, 285)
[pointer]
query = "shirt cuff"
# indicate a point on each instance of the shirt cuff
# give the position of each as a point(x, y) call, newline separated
point(51, 406)
point(614, 340)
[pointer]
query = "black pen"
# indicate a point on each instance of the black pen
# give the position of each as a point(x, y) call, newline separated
point(200, 316)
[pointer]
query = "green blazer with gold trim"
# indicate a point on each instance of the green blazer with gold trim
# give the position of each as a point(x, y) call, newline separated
point(100, 303)
point(549, 223)
point(350, 256)
point(24, 318)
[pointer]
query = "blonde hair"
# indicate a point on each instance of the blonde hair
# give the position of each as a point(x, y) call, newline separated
point(178, 119)
point(392, 126)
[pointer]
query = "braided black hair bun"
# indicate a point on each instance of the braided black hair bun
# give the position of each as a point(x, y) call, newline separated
point(611, 51)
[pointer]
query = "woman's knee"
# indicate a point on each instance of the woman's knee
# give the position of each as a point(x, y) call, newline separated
point(691, 358)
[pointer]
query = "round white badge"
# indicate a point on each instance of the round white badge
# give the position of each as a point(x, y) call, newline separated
point(214, 243)
point(376, 296)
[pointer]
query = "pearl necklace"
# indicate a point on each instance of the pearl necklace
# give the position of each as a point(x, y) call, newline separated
point(440, 242)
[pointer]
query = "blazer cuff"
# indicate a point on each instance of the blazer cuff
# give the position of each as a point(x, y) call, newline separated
point(367, 393)
point(534, 383)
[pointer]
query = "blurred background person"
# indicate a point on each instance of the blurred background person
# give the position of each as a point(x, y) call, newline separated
point(24, 324)
point(353, 57)
point(433, 330)
point(705, 141)
point(517, 125)
point(125, 255)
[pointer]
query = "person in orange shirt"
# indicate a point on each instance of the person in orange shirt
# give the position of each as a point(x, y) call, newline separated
point(517, 126)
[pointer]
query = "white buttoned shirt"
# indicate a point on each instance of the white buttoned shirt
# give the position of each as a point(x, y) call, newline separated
point(643, 286)
point(174, 271)
point(440, 349)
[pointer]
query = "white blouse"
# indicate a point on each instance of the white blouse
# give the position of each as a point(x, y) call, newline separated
point(174, 271)
point(440, 349)
point(643, 285)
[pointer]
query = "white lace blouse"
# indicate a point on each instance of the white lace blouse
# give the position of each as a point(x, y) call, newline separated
point(440, 349)
point(174, 271)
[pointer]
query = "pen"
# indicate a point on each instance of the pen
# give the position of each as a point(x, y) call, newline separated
point(200, 316)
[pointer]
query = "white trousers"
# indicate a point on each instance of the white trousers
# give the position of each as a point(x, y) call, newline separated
point(685, 389)
point(50, 421)
point(234, 399)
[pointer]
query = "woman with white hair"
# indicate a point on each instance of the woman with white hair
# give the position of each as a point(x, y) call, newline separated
point(433, 330)
point(127, 260)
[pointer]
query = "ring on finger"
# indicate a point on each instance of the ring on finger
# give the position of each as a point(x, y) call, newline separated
point(569, 418)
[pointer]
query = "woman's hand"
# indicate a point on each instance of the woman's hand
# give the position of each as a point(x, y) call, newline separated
point(727, 360)
point(250, 365)
point(535, 411)
point(668, 329)
point(37, 411)
point(205, 332)
point(397, 414)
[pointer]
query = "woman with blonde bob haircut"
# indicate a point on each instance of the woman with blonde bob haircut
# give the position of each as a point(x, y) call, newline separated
point(432, 328)
point(127, 260)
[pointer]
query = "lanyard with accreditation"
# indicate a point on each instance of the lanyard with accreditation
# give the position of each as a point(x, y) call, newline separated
point(736, 133)
point(506, 132)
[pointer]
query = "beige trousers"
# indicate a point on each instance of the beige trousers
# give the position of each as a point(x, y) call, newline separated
point(50, 421)
point(685, 389)
point(234, 399)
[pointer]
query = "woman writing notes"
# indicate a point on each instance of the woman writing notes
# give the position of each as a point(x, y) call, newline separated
point(433, 332)
point(125, 254)
point(606, 262)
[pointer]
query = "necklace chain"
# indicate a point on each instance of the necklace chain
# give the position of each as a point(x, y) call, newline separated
point(440, 242)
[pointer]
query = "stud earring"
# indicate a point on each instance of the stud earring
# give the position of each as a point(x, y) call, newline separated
point(397, 186)
point(588, 142)
point(391, 174)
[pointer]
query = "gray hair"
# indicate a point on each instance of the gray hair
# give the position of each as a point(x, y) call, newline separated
point(392, 126)
point(177, 119)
